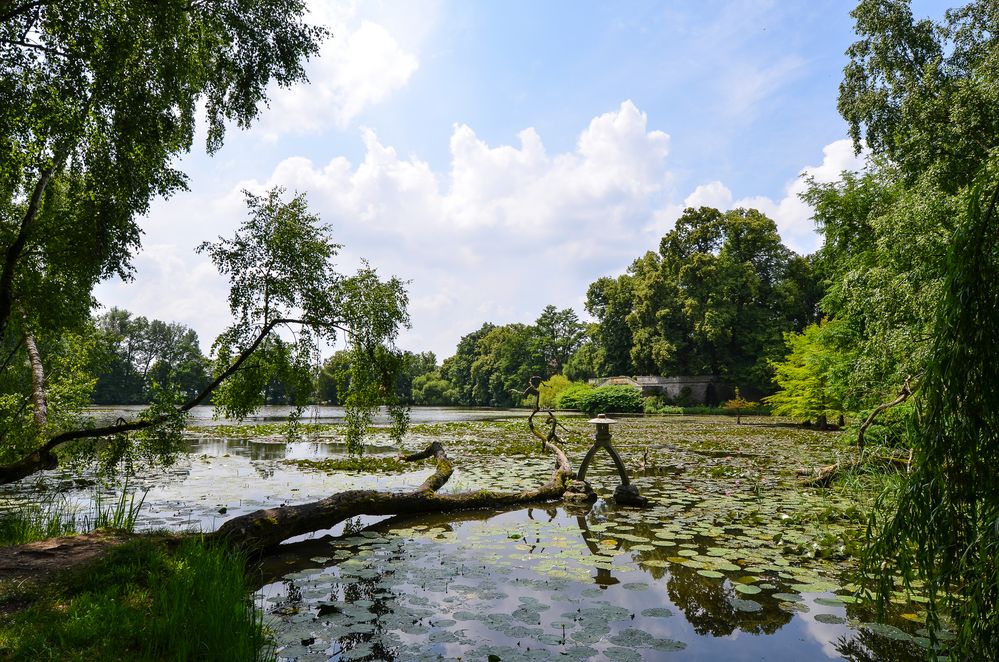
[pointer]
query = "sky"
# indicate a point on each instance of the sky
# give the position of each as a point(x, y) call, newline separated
point(500, 157)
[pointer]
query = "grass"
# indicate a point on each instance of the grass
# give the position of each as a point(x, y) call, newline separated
point(143, 601)
point(364, 463)
point(33, 522)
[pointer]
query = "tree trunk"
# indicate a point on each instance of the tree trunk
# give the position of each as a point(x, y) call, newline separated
point(262, 530)
point(38, 398)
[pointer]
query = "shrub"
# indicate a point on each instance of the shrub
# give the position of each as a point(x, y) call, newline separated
point(550, 390)
point(612, 399)
point(572, 397)
point(656, 405)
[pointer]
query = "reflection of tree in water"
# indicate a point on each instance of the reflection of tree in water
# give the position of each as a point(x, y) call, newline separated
point(866, 646)
point(705, 602)
point(349, 590)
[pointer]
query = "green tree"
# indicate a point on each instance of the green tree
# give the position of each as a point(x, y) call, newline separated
point(922, 95)
point(457, 369)
point(98, 102)
point(281, 273)
point(717, 298)
point(811, 376)
point(588, 361)
point(610, 301)
point(432, 389)
point(504, 363)
point(557, 335)
point(942, 530)
point(413, 366)
point(288, 282)
point(143, 352)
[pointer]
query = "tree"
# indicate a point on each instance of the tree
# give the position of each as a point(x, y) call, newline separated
point(923, 96)
point(97, 104)
point(812, 375)
point(717, 298)
point(504, 363)
point(281, 275)
point(942, 531)
point(557, 335)
point(142, 353)
point(610, 301)
point(457, 369)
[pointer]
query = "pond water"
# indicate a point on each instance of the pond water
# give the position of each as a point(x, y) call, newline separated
point(731, 561)
point(204, 415)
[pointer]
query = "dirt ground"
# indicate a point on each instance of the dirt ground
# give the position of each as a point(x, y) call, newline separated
point(33, 564)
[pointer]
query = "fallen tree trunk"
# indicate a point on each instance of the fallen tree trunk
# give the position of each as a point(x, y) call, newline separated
point(262, 530)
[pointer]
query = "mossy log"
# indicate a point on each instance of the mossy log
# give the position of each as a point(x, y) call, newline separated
point(262, 530)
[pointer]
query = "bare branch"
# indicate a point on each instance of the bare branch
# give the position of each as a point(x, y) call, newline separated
point(903, 395)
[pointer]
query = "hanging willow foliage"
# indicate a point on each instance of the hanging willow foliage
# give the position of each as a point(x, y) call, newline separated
point(944, 531)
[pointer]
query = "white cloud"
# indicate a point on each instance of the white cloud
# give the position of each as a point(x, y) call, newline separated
point(361, 65)
point(507, 230)
point(504, 231)
point(713, 194)
point(791, 214)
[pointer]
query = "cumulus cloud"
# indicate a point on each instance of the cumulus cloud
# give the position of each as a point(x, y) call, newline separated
point(792, 216)
point(360, 66)
point(506, 230)
point(503, 231)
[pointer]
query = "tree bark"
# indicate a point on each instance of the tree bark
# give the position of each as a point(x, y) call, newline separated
point(13, 253)
point(38, 397)
point(262, 530)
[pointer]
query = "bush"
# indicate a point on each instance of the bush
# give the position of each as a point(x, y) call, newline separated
point(550, 390)
point(656, 405)
point(572, 397)
point(612, 399)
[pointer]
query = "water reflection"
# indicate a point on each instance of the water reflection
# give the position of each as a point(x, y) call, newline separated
point(319, 414)
point(470, 583)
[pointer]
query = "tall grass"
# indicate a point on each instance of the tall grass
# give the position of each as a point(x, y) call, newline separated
point(144, 601)
point(31, 522)
point(120, 513)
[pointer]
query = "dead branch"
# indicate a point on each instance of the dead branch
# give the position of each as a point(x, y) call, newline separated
point(903, 395)
point(262, 530)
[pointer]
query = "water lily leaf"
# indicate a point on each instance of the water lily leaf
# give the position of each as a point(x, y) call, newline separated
point(745, 605)
point(657, 612)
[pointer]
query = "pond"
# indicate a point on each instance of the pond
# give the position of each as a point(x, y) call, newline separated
point(732, 560)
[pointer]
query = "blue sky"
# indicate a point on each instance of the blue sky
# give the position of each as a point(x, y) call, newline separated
point(502, 156)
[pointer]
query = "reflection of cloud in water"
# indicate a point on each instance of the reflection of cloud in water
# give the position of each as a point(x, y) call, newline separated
point(825, 634)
